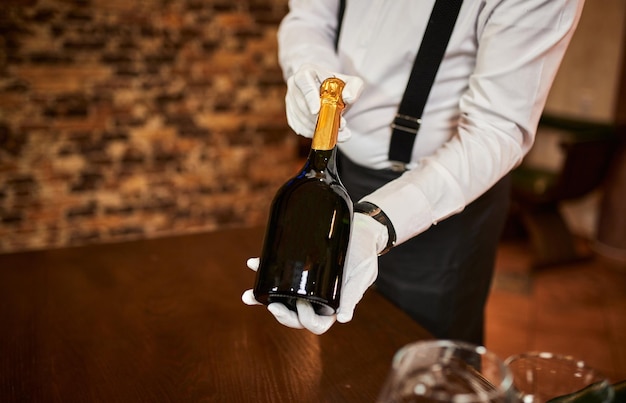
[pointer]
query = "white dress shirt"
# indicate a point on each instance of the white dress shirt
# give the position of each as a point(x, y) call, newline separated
point(482, 112)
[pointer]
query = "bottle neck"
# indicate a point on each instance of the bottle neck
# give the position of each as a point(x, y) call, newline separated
point(324, 144)
point(329, 118)
point(323, 160)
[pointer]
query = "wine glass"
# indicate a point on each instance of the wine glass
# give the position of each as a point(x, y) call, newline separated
point(541, 377)
point(446, 371)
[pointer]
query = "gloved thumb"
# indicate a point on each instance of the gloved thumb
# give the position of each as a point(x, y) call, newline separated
point(361, 267)
point(248, 298)
point(308, 83)
point(353, 88)
point(316, 324)
point(355, 288)
point(253, 263)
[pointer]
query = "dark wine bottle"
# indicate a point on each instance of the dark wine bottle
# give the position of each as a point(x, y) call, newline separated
point(307, 234)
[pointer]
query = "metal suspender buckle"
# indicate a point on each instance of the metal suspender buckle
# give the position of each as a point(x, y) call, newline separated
point(406, 123)
point(405, 129)
point(397, 166)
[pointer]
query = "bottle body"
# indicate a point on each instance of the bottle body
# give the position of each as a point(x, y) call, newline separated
point(308, 230)
point(306, 241)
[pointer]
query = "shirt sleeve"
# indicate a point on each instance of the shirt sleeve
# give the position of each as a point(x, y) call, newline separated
point(315, 20)
point(520, 46)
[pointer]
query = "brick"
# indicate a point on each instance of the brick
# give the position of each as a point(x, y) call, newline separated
point(60, 79)
point(87, 181)
point(11, 142)
point(127, 120)
point(88, 209)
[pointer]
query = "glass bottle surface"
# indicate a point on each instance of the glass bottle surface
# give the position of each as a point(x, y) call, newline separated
point(308, 230)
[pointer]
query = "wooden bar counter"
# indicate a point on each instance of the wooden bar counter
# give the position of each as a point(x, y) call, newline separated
point(162, 320)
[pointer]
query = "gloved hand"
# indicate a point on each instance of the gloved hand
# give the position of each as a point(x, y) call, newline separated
point(367, 239)
point(303, 99)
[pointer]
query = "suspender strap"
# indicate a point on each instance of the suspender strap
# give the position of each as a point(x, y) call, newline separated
point(408, 119)
point(340, 11)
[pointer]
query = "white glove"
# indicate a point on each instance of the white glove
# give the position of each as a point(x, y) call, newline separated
point(305, 318)
point(303, 99)
point(367, 239)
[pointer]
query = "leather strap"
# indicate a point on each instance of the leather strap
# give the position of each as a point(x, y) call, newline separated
point(379, 215)
point(408, 119)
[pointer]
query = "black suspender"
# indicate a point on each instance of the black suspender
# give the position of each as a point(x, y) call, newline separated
point(340, 11)
point(408, 119)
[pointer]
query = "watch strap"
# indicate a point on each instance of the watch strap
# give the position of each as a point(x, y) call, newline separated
point(379, 215)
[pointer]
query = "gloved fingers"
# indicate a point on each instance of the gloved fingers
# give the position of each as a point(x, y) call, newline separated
point(308, 82)
point(284, 316)
point(311, 321)
point(253, 263)
point(248, 298)
point(309, 78)
point(303, 123)
point(353, 88)
point(344, 132)
point(354, 288)
point(351, 91)
point(302, 101)
point(361, 266)
point(345, 315)
point(298, 117)
point(348, 304)
point(311, 83)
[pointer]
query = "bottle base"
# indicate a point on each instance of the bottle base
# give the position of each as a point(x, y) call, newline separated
point(320, 307)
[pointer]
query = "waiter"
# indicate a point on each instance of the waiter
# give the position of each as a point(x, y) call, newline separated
point(432, 184)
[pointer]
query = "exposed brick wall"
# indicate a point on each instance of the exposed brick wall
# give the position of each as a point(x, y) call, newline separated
point(122, 119)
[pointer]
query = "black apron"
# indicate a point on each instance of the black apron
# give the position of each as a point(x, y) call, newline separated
point(441, 277)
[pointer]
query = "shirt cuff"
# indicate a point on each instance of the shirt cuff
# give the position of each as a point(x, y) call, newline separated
point(405, 205)
point(418, 199)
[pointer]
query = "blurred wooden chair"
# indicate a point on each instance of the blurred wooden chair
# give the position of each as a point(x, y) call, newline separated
point(537, 193)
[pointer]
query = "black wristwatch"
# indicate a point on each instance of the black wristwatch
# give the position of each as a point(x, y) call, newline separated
point(379, 215)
